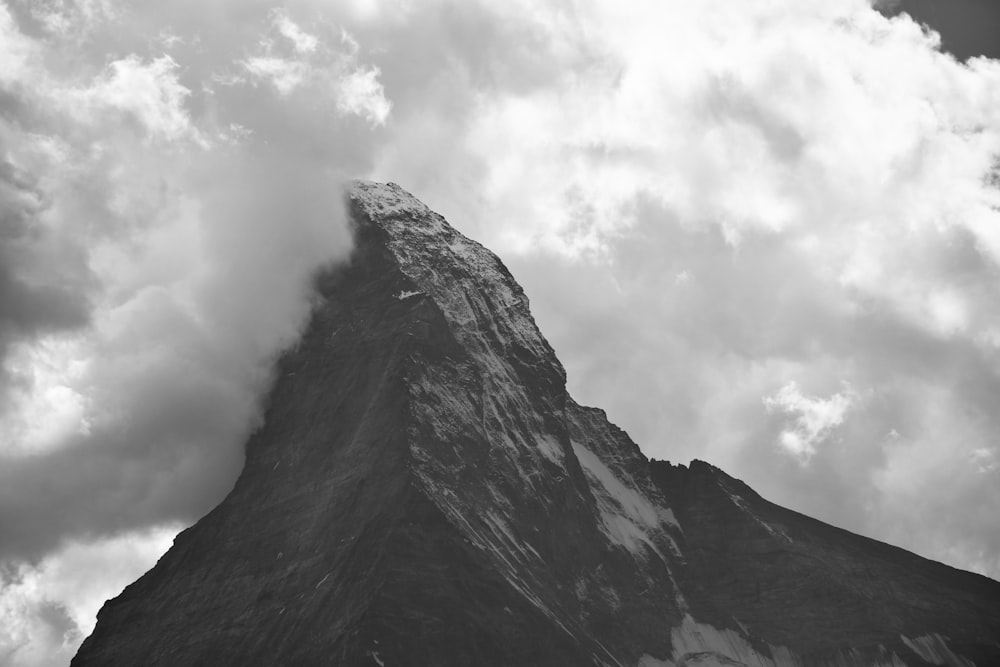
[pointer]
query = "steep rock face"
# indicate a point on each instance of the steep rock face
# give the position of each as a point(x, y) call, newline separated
point(424, 492)
point(817, 589)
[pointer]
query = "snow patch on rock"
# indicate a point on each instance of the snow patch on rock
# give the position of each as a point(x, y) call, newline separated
point(697, 644)
point(549, 447)
point(934, 649)
point(702, 644)
point(628, 516)
point(630, 500)
point(385, 199)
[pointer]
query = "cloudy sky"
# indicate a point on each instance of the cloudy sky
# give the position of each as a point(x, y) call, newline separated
point(762, 233)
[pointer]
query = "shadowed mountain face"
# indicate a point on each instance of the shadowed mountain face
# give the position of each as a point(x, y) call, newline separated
point(423, 491)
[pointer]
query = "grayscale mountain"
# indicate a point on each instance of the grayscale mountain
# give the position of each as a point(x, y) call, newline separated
point(423, 491)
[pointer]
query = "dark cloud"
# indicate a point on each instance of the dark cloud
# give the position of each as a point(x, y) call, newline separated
point(34, 300)
point(28, 305)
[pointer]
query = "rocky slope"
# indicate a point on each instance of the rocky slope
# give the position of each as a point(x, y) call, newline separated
point(423, 491)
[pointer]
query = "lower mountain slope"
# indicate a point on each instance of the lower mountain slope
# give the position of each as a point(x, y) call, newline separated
point(815, 588)
point(423, 491)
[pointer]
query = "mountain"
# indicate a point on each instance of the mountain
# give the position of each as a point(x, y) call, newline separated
point(423, 491)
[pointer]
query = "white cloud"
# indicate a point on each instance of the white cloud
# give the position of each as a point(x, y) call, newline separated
point(813, 418)
point(285, 75)
point(15, 49)
point(301, 40)
point(48, 608)
point(322, 70)
point(985, 460)
point(149, 92)
point(362, 94)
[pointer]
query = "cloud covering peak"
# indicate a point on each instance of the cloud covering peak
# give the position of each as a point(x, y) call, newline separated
point(161, 222)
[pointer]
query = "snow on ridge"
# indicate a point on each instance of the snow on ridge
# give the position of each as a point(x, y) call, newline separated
point(627, 515)
point(385, 199)
point(636, 505)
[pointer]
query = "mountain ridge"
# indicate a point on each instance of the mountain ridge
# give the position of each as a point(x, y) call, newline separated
point(423, 490)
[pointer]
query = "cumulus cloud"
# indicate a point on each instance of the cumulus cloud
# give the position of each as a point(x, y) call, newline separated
point(715, 208)
point(300, 39)
point(334, 70)
point(46, 610)
point(813, 420)
point(149, 93)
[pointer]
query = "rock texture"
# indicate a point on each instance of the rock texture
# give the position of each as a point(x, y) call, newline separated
point(423, 491)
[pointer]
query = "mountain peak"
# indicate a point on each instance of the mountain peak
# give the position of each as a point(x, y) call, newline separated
point(380, 200)
point(485, 307)
point(423, 491)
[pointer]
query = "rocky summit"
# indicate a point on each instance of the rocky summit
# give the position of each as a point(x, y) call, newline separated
point(423, 491)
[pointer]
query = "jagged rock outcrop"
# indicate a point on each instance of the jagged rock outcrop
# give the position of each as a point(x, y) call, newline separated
point(423, 491)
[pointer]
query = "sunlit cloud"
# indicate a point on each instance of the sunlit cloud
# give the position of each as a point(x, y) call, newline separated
point(813, 418)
